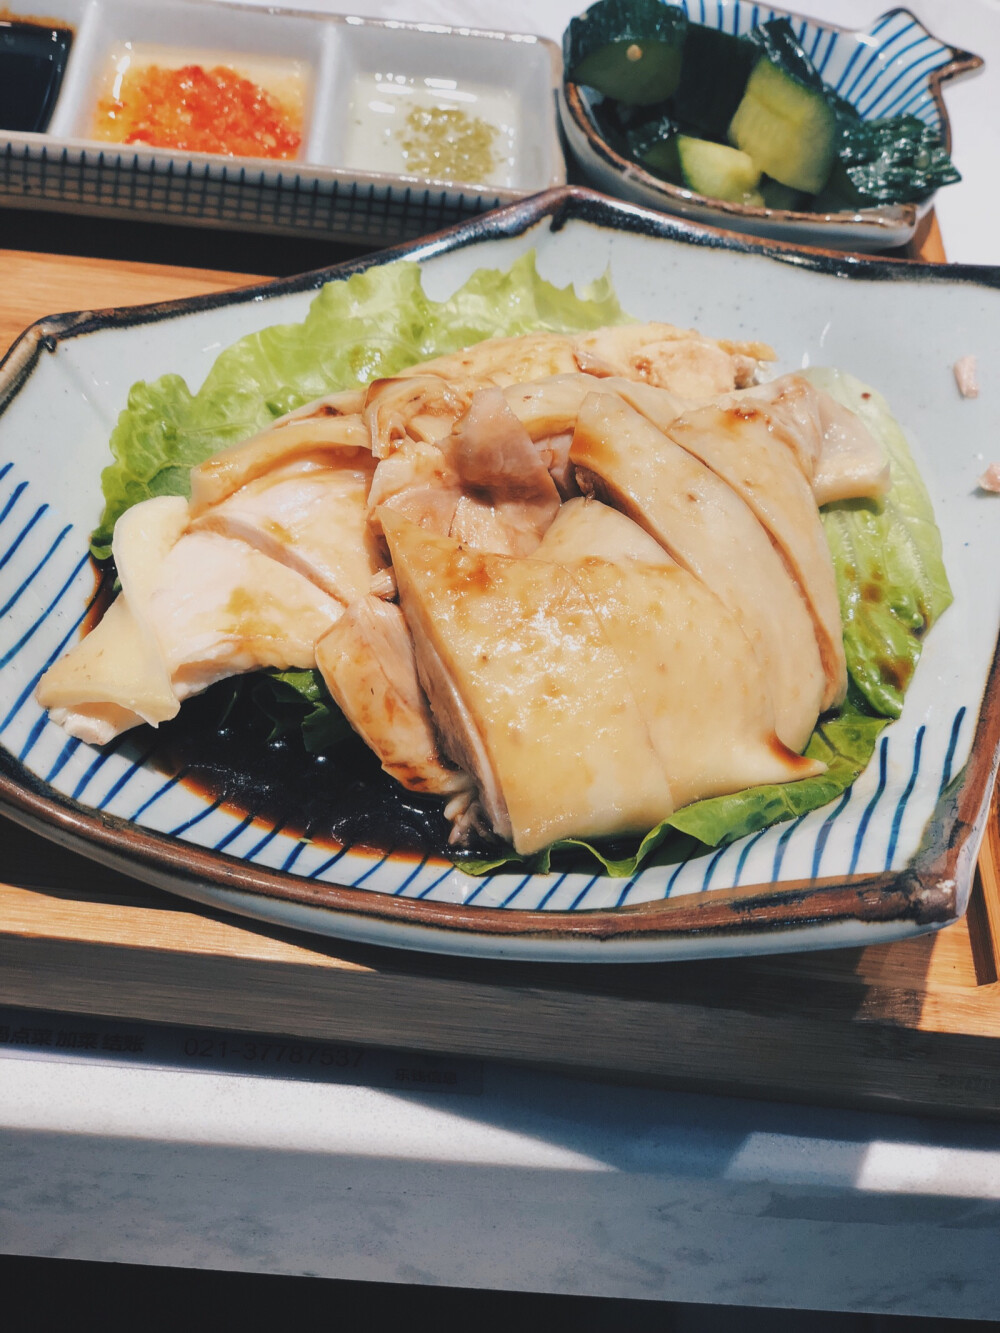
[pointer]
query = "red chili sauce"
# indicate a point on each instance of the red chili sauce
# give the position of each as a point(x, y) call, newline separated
point(198, 110)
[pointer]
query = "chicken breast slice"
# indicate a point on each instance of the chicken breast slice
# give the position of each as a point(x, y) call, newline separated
point(143, 538)
point(682, 360)
point(485, 484)
point(551, 721)
point(530, 356)
point(221, 607)
point(296, 438)
point(548, 410)
point(420, 407)
point(370, 669)
point(194, 608)
point(496, 462)
point(343, 403)
point(417, 480)
point(852, 463)
point(700, 686)
point(312, 518)
point(116, 677)
point(738, 444)
point(836, 451)
point(551, 406)
point(110, 681)
point(585, 528)
point(709, 530)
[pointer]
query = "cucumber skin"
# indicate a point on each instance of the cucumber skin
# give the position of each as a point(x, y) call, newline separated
point(642, 82)
point(595, 43)
point(775, 195)
point(714, 77)
point(662, 159)
point(789, 130)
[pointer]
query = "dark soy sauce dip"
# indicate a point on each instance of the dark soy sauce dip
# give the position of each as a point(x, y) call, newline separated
point(342, 799)
point(33, 57)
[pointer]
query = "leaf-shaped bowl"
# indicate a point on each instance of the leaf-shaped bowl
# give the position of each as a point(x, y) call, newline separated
point(893, 66)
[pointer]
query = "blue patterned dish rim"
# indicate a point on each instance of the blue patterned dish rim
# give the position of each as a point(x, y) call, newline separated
point(893, 856)
point(892, 67)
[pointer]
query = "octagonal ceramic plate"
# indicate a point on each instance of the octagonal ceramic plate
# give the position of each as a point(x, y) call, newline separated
point(892, 857)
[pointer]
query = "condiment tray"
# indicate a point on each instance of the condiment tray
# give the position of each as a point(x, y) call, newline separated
point(356, 80)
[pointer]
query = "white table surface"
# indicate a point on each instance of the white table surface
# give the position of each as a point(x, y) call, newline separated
point(524, 1181)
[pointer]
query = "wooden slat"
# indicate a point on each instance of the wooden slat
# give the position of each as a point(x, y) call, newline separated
point(904, 1025)
point(914, 1025)
point(35, 285)
point(927, 243)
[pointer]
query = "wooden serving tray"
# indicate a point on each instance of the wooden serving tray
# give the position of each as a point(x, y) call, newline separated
point(913, 1026)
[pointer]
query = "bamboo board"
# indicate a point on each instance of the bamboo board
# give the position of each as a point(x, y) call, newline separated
point(913, 1026)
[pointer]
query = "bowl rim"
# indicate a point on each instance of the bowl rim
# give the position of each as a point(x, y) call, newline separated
point(574, 104)
point(930, 891)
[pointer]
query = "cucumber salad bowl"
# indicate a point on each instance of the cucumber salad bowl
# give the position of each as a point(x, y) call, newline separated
point(761, 120)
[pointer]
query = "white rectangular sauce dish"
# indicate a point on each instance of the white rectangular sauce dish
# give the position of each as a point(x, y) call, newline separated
point(406, 127)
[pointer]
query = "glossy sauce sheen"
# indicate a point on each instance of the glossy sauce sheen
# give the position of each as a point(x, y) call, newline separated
point(342, 799)
point(32, 63)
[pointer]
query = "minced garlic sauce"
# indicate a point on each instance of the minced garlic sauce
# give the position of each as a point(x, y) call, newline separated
point(432, 127)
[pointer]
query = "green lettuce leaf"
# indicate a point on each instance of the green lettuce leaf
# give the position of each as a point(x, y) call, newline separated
point(887, 557)
point(369, 325)
point(299, 701)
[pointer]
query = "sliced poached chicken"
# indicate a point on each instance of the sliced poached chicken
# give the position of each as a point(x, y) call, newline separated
point(296, 438)
point(370, 669)
point(681, 360)
point(838, 454)
point(117, 677)
point(585, 685)
point(514, 663)
point(312, 518)
point(485, 484)
point(532, 356)
point(570, 668)
point(700, 688)
point(709, 530)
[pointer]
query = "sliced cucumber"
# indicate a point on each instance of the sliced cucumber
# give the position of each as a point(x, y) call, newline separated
point(777, 40)
point(627, 49)
point(717, 171)
point(714, 77)
point(653, 144)
point(776, 195)
point(787, 128)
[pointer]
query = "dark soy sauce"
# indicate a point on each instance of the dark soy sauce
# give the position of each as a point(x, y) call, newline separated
point(32, 63)
point(341, 799)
